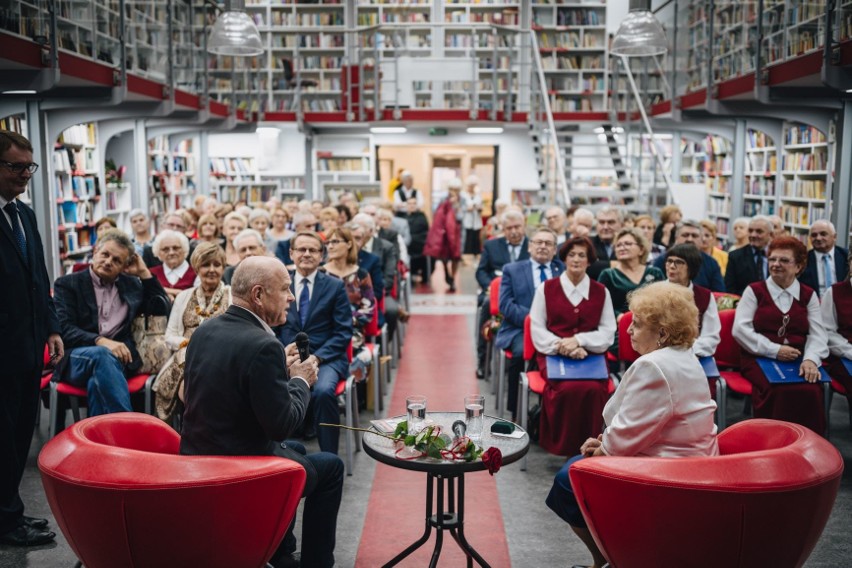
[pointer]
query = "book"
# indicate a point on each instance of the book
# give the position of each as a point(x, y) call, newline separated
point(786, 372)
point(592, 367)
point(709, 366)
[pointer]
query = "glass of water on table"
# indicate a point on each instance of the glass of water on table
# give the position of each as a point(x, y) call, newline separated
point(474, 407)
point(416, 406)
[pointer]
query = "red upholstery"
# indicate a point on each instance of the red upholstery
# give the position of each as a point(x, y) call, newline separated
point(626, 353)
point(122, 496)
point(494, 296)
point(134, 385)
point(763, 502)
point(728, 355)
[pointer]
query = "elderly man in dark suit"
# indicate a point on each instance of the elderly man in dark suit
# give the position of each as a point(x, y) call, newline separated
point(748, 264)
point(497, 253)
point(517, 288)
point(709, 274)
point(827, 263)
point(364, 232)
point(27, 321)
point(246, 394)
point(322, 311)
point(96, 308)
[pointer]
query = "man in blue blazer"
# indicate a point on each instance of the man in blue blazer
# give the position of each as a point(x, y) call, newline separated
point(517, 288)
point(496, 253)
point(322, 311)
point(27, 322)
point(709, 275)
point(827, 263)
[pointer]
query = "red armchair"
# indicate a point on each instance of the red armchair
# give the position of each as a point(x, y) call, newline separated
point(763, 502)
point(123, 496)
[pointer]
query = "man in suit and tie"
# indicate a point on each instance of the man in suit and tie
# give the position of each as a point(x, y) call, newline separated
point(609, 222)
point(827, 263)
point(246, 394)
point(517, 288)
point(27, 322)
point(496, 253)
point(709, 274)
point(322, 311)
point(96, 309)
point(748, 264)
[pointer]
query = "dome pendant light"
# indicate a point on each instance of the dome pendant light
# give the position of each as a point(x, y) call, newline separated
point(234, 33)
point(640, 34)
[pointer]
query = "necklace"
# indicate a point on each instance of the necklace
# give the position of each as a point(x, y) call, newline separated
point(205, 307)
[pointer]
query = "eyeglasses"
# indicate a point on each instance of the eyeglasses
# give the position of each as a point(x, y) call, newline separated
point(307, 250)
point(782, 331)
point(175, 227)
point(169, 249)
point(19, 167)
point(779, 260)
point(540, 243)
point(675, 262)
point(625, 245)
point(335, 241)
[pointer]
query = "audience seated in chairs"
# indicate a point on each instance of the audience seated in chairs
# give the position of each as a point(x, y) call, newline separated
point(233, 224)
point(174, 274)
point(322, 311)
point(96, 308)
point(710, 275)
point(208, 232)
point(571, 316)
point(659, 409)
point(247, 243)
point(303, 221)
point(192, 307)
point(365, 234)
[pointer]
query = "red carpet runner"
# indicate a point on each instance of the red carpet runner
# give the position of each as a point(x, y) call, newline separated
point(439, 364)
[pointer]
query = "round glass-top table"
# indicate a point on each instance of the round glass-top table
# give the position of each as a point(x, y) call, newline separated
point(446, 475)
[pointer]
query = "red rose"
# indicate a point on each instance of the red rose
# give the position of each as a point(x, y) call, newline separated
point(493, 459)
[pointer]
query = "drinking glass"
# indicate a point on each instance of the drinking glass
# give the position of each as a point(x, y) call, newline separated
point(474, 406)
point(416, 406)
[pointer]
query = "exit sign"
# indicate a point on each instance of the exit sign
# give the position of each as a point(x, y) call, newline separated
point(438, 132)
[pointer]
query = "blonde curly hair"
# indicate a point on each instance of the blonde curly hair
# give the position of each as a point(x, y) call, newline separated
point(667, 306)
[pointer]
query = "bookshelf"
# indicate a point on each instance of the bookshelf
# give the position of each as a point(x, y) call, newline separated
point(77, 191)
point(573, 49)
point(171, 175)
point(805, 177)
point(761, 169)
point(190, 24)
point(719, 170)
point(734, 38)
point(341, 160)
point(843, 23)
point(693, 37)
point(793, 28)
point(118, 203)
point(692, 161)
point(645, 172)
point(147, 39)
point(236, 178)
point(774, 33)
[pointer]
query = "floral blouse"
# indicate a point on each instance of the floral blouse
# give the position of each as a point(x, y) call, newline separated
point(362, 299)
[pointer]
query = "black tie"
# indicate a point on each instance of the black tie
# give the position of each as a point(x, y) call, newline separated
point(758, 260)
point(12, 210)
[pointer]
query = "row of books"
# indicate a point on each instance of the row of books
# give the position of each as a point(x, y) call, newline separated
point(343, 164)
point(758, 139)
point(576, 62)
point(759, 163)
point(562, 104)
point(809, 188)
point(280, 18)
point(480, 41)
point(752, 208)
point(232, 165)
point(71, 213)
point(801, 214)
point(571, 39)
point(79, 187)
point(801, 161)
point(803, 134)
point(76, 243)
point(373, 19)
point(508, 17)
point(78, 135)
point(311, 40)
point(760, 186)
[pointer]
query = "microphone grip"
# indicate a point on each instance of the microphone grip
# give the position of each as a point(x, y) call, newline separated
point(459, 428)
point(303, 345)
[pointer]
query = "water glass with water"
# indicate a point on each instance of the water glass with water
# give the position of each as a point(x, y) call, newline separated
point(474, 406)
point(416, 406)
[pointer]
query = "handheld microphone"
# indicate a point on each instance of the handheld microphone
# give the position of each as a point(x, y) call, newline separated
point(303, 345)
point(459, 428)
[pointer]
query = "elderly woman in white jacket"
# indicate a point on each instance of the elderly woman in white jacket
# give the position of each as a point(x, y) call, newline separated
point(662, 407)
point(192, 307)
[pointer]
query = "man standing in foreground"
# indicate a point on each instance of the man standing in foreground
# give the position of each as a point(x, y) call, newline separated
point(27, 321)
point(241, 400)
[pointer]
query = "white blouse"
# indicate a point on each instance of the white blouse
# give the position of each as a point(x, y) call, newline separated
point(661, 408)
point(837, 344)
point(175, 329)
point(597, 341)
point(173, 275)
point(816, 345)
point(711, 326)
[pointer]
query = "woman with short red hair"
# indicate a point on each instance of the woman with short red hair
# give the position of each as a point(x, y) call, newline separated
point(779, 318)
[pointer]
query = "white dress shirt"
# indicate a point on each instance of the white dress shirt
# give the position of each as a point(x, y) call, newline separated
point(536, 273)
point(3, 203)
point(711, 326)
point(661, 408)
point(597, 341)
point(837, 344)
point(297, 290)
point(816, 345)
point(173, 275)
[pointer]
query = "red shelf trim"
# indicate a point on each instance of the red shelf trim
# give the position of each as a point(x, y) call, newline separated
point(85, 68)
point(20, 50)
point(185, 99)
point(145, 87)
point(804, 66)
point(693, 99)
point(736, 86)
point(662, 107)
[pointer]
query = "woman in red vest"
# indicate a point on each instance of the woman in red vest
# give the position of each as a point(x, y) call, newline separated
point(175, 274)
point(836, 311)
point(571, 316)
point(779, 318)
point(682, 265)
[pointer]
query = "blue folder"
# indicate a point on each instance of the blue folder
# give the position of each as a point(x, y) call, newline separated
point(786, 372)
point(709, 366)
point(848, 364)
point(564, 368)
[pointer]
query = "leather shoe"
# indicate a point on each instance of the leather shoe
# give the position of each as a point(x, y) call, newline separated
point(293, 560)
point(35, 522)
point(480, 374)
point(25, 535)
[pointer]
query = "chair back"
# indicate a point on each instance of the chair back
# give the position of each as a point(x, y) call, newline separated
point(626, 353)
point(372, 328)
point(123, 496)
point(529, 346)
point(728, 351)
point(494, 296)
point(774, 482)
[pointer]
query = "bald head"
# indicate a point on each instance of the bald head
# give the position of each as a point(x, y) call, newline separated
point(261, 284)
point(255, 271)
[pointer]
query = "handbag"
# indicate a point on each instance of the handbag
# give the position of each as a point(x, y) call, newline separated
point(149, 334)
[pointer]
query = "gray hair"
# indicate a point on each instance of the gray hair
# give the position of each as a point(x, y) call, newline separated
point(405, 175)
point(825, 222)
point(583, 212)
point(118, 237)
point(135, 213)
point(234, 215)
point(247, 233)
point(765, 220)
point(512, 214)
point(169, 234)
point(302, 217)
point(454, 183)
point(365, 221)
point(609, 209)
point(741, 220)
point(259, 212)
point(688, 223)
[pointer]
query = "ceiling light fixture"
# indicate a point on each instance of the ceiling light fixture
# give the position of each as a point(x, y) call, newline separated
point(20, 92)
point(234, 33)
point(640, 34)
point(388, 129)
point(485, 130)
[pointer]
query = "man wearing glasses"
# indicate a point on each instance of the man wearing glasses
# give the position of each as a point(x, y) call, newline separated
point(322, 311)
point(27, 322)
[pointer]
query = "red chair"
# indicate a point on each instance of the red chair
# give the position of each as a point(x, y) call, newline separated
point(763, 502)
point(123, 496)
point(373, 333)
point(728, 360)
point(496, 357)
point(346, 391)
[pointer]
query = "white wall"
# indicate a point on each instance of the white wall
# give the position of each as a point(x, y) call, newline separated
point(288, 159)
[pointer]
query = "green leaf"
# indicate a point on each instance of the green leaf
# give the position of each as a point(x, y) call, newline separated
point(433, 452)
point(401, 429)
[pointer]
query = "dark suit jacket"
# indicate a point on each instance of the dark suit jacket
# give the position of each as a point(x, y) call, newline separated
point(495, 254)
point(27, 313)
point(329, 324)
point(810, 275)
point(600, 249)
point(371, 263)
point(78, 311)
point(148, 256)
point(741, 270)
point(239, 399)
point(709, 275)
point(282, 252)
point(517, 289)
point(392, 237)
point(388, 259)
